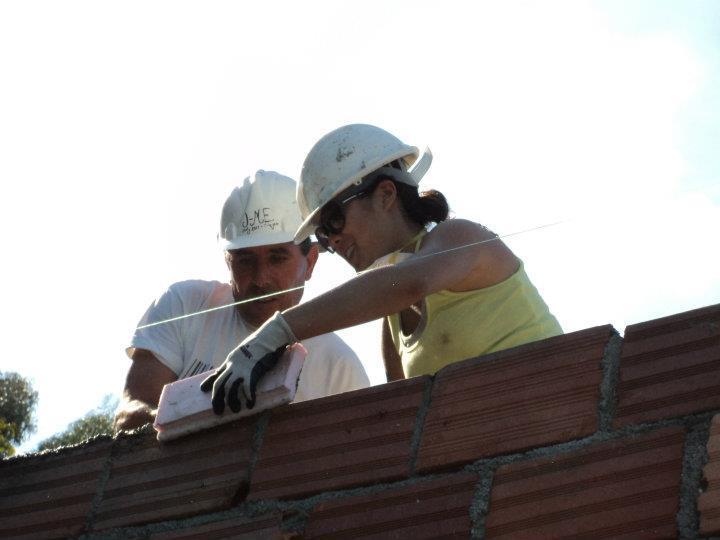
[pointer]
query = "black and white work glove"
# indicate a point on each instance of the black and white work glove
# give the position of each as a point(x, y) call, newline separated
point(237, 378)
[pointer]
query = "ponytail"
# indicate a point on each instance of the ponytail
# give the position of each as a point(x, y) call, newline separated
point(424, 207)
point(420, 207)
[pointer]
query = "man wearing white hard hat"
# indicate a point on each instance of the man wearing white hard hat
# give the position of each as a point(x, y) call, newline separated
point(257, 226)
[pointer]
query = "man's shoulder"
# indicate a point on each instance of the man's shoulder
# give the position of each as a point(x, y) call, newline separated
point(198, 285)
point(198, 292)
point(191, 295)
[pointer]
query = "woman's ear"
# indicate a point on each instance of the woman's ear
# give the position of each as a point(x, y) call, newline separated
point(388, 193)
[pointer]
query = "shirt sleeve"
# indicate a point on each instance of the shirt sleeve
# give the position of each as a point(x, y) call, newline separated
point(331, 367)
point(163, 340)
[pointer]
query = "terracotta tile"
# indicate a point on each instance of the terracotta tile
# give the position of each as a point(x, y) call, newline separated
point(261, 528)
point(535, 395)
point(627, 488)
point(709, 500)
point(50, 496)
point(200, 473)
point(670, 367)
point(339, 441)
point(438, 508)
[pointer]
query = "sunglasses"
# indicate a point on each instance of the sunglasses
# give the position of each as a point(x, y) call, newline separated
point(332, 215)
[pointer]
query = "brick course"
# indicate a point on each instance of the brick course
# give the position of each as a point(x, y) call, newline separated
point(709, 500)
point(438, 508)
point(570, 437)
point(670, 367)
point(261, 528)
point(50, 496)
point(535, 395)
point(339, 441)
point(625, 488)
point(150, 481)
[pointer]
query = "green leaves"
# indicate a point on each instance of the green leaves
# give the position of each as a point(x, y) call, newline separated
point(95, 423)
point(17, 406)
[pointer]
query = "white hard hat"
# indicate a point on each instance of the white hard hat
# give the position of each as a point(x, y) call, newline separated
point(262, 211)
point(342, 158)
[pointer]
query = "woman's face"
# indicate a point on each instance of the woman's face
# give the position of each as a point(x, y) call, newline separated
point(361, 240)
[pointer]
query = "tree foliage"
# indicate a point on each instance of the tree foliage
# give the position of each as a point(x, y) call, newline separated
point(17, 406)
point(99, 421)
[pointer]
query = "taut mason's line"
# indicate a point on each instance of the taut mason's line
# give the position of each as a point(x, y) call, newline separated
point(269, 295)
point(276, 293)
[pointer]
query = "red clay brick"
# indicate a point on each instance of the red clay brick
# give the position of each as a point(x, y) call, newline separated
point(534, 395)
point(627, 488)
point(339, 441)
point(49, 496)
point(262, 528)
point(709, 500)
point(434, 509)
point(670, 367)
point(200, 473)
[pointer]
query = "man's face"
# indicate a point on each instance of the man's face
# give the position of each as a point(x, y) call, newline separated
point(261, 270)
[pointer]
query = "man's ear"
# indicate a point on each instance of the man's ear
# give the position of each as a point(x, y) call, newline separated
point(312, 258)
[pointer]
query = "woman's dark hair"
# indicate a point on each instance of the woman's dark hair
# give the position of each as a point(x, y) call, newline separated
point(421, 207)
point(305, 246)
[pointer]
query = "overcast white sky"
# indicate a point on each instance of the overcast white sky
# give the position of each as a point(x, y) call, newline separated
point(123, 126)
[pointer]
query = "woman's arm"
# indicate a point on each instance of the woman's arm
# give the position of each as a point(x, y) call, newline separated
point(391, 359)
point(390, 289)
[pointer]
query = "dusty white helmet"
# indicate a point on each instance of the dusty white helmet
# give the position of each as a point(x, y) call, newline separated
point(342, 158)
point(262, 211)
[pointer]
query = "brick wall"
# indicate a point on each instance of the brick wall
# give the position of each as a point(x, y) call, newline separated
point(586, 435)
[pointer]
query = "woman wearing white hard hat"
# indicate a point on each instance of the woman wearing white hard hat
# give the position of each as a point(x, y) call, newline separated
point(447, 293)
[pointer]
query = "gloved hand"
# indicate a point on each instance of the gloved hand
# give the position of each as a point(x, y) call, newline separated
point(238, 376)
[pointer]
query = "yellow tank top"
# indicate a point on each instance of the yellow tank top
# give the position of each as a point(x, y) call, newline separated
point(459, 325)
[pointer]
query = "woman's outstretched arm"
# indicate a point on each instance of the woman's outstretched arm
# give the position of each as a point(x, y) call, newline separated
point(457, 255)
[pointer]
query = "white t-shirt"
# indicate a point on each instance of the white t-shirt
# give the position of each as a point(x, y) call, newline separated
point(196, 344)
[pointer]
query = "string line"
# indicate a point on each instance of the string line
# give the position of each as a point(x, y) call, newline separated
point(701, 189)
point(269, 295)
point(277, 293)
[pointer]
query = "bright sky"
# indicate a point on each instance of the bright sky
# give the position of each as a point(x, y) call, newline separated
point(124, 125)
